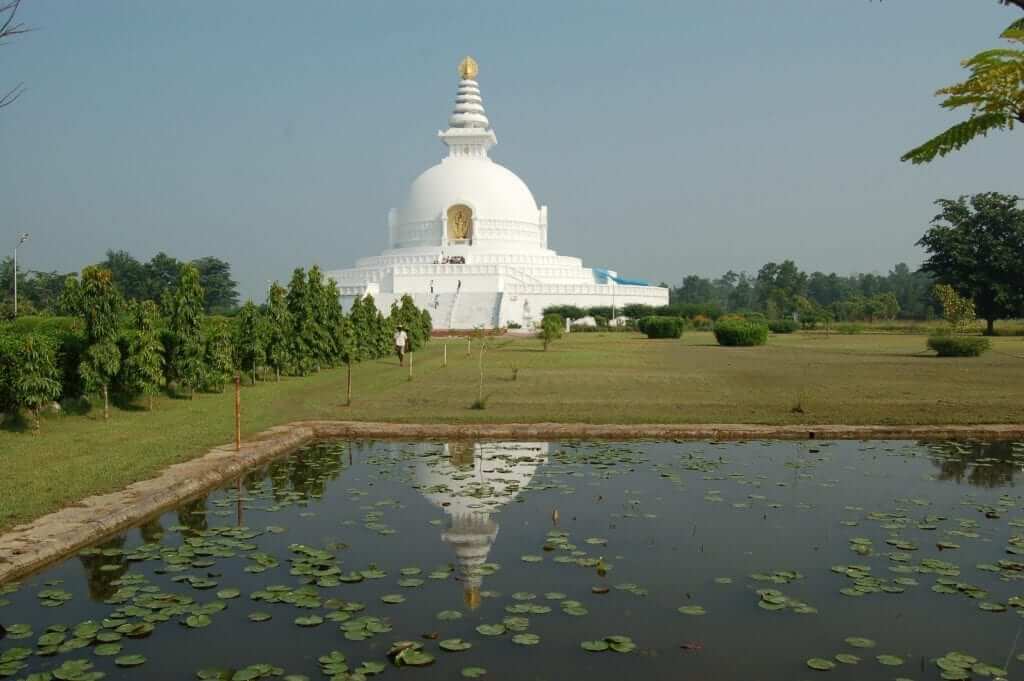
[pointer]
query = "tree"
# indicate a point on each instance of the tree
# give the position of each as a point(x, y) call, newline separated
point(251, 337)
point(551, 328)
point(976, 246)
point(994, 93)
point(300, 308)
point(142, 370)
point(347, 345)
point(183, 307)
point(323, 312)
point(29, 375)
point(409, 317)
point(221, 291)
point(778, 286)
point(279, 329)
point(694, 289)
point(218, 355)
point(363, 317)
point(130, 275)
point(162, 274)
point(958, 311)
point(10, 27)
point(99, 305)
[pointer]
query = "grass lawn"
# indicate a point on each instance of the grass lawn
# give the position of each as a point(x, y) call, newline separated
point(597, 378)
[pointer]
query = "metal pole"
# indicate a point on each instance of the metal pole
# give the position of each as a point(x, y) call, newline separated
point(445, 355)
point(22, 238)
point(410, 365)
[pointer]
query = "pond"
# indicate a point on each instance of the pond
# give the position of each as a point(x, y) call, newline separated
point(652, 560)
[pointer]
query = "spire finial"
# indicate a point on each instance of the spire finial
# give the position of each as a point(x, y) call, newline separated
point(468, 68)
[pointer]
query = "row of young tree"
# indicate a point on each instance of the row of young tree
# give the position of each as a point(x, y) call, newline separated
point(116, 347)
point(40, 292)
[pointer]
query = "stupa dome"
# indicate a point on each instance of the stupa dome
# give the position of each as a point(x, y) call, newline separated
point(490, 189)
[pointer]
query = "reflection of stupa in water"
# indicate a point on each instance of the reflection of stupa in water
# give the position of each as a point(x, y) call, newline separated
point(470, 481)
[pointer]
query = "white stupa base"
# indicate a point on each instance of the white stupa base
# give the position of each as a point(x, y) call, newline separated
point(487, 292)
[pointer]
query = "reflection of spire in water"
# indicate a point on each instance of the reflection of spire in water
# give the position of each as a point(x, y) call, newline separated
point(470, 481)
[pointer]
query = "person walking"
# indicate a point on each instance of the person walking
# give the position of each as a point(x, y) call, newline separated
point(401, 338)
point(459, 287)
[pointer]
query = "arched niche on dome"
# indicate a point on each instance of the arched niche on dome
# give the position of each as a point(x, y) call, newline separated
point(460, 222)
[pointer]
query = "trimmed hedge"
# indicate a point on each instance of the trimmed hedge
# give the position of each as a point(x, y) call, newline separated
point(740, 332)
point(661, 327)
point(783, 326)
point(958, 346)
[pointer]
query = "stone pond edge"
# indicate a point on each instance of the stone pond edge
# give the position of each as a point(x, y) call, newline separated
point(25, 549)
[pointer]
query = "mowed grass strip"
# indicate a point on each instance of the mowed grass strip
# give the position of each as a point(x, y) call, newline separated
point(585, 377)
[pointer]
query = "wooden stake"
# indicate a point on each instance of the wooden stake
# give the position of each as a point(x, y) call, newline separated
point(238, 412)
point(348, 403)
point(469, 347)
point(445, 362)
point(410, 365)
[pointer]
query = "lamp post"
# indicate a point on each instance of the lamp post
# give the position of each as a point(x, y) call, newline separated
point(22, 238)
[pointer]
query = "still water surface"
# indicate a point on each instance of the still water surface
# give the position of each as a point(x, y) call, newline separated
point(716, 560)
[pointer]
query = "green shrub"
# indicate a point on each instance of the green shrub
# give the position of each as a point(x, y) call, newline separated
point(661, 327)
point(849, 329)
point(783, 326)
point(958, 346)
point(734, 331)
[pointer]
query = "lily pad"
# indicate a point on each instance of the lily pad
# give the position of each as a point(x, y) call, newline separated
point(455, 645)
point(491, 629)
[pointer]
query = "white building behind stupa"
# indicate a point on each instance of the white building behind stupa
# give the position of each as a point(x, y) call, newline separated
point(470, 244)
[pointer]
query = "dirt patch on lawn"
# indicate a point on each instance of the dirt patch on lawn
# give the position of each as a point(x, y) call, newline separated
point(30, 547)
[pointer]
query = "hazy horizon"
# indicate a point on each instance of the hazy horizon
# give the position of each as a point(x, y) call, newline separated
point(666, 140)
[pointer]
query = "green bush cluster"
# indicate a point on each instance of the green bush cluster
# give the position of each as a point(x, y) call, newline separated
point(783, 326)
point(850, 329)
point(734, 331)
point(661, 327)
point(958, 346)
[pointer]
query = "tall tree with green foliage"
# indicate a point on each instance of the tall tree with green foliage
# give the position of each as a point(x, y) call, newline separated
point(279, 330)
point(303, 335)
point(142, 370)
point(363, 317)
point(218, 355)
point(976, 245)
point(220, 291)
point(993, 93)
point(99, 305)
point(29, 374)
point(130, 276)
point(251, 335)
point(162, 275)
point(183, 306)
point(322, 312)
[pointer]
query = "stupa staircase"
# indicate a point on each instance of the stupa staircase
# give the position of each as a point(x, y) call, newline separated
point(469, 308)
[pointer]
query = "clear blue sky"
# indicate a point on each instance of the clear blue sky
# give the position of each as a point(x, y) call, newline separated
point(667, 138)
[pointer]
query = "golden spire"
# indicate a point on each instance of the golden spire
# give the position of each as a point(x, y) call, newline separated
point(468, 69)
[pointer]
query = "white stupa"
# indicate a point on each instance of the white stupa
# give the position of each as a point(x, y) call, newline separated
point(470, 482)
point(470, 244)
